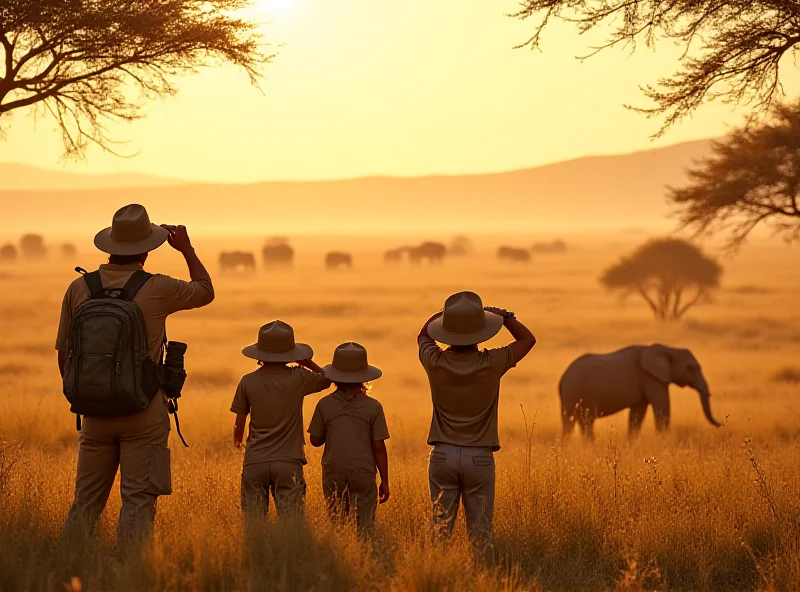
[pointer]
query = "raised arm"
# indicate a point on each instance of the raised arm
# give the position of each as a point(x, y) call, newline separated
point(423, 336)
point(524, 339)
point(311, 365)
point(201, 291)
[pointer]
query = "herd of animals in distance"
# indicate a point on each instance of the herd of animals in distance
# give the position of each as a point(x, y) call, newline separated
point(277, 252)
point(672, 275)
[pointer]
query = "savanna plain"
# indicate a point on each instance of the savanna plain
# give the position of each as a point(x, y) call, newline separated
point(697, 509)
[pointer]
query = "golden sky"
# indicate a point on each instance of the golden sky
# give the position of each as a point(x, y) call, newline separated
point(365, 87)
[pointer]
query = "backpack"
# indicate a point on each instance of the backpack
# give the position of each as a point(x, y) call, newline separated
point(108, 370)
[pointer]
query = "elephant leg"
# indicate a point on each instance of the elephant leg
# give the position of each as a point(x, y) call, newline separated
point(662, 421)
point(586, 419)
point(659, 398)
point(636, 418)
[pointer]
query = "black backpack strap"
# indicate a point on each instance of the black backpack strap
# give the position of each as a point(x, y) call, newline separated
point(95, 284)
point(136, 281)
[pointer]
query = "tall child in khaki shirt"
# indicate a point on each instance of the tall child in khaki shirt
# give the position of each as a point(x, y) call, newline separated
point(465, 391)
point(273, 397)
point(352, 426)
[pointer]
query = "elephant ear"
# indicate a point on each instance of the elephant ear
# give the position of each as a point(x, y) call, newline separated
point(656, 362)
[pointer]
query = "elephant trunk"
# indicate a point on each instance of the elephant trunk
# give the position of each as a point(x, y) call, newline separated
point(705, 396)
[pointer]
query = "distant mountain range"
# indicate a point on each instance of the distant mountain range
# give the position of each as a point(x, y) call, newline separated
point(620, 190)
point(21, 177)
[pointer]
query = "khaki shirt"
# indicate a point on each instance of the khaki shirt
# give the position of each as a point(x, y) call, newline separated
point(158, 298)
point(273, 396)
point(349, 428)
point(465, 389)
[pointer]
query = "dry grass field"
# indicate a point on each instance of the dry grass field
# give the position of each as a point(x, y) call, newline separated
point(699, 509)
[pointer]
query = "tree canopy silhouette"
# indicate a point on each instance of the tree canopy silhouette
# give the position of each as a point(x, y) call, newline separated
point(732, 49)
point(670, 274)
point(752, 177)
point(87, 63)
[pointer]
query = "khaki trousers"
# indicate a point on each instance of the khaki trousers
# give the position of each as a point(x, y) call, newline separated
point(283, 479)
point(457, 473)
point(136, 445)
point(349, 491)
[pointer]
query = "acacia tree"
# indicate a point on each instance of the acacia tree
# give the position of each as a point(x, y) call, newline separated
point(732, 48)
point(87, 63)
point(670, 274)
point(752, 177)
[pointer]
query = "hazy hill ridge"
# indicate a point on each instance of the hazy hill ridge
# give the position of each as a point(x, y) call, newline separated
point(618, 189)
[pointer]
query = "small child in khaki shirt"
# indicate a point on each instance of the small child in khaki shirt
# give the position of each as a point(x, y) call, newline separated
point(273, 398)
point(352, 427)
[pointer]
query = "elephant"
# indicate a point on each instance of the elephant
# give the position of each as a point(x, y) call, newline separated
point(233, 260)
point(277, 255)
point(429, 251)
point(395, 255)
point(557, 246)
point(68, 250)
point(635, 377)
point(513, 254)
point(8, 253)
point(336, 260)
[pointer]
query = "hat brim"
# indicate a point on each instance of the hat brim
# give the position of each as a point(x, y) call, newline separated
point(300, 351)
point(105, 243)
point(367, 374)
point(494, 323)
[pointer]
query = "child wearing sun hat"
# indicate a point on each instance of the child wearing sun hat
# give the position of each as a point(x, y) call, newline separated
point(273, 397)
point(352, 427)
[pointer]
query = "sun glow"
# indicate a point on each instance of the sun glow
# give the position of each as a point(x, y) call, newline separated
point(276, 8)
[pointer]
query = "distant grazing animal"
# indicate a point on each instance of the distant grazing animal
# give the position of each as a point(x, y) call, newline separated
point(429, 251)
point(278, 255)
point(513, 254)
point(32, 246)
point(394, 255)
point(636, 377)
point(556, 246)
point(8, 253)
point(337, 260)
point(460, 246)
point(235, 260)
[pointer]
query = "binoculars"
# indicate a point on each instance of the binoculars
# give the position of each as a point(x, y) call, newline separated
point(174, 370)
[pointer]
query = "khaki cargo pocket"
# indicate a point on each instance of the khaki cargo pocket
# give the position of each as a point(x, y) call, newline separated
point(437, 458)
point(483, 461)
point(160, 472)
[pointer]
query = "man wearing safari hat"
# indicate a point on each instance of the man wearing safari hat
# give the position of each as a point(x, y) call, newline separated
point(465, 389)
point(133, 443)
point(273, 397)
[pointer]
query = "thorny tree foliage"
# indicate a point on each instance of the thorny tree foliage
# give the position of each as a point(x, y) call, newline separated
point(752, 177)
point(732, 49)
point(670, 274)
point(87, 63)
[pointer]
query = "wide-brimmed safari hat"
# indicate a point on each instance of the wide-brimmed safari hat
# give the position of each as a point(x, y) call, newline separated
point(276, 344)
point(464, 321)
point(350, 365)
point(131, 233)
